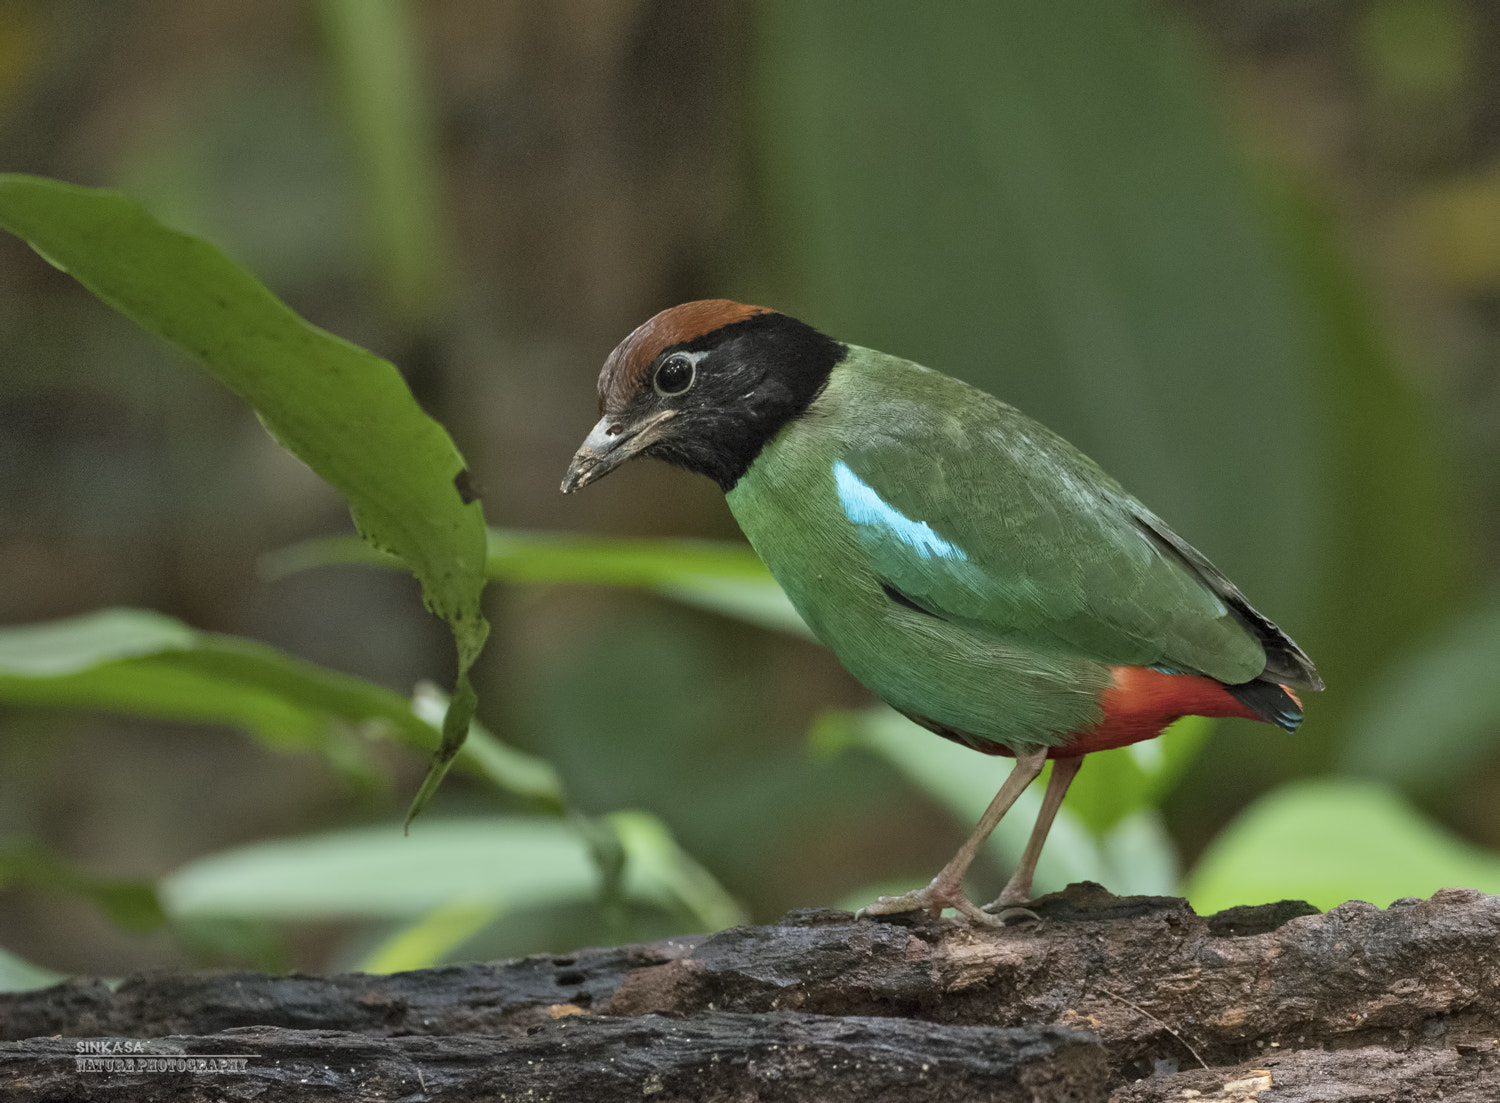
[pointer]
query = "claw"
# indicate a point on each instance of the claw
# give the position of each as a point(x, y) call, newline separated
point(1001, 916)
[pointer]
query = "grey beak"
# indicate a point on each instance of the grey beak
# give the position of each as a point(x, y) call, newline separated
point(609, 444)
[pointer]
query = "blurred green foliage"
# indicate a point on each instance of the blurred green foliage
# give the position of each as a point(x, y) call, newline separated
point(720, 577)
point(132, 904)
point(1332, 840)
point(378, 73)
point(1050, 201)
point(146, 664)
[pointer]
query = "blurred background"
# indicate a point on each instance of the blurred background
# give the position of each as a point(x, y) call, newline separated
point(1245, 253)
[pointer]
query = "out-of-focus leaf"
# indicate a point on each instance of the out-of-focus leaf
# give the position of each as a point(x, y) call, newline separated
point(344, 411)
point(19, 975)
point(374, 48)
point(129, 904)
point(654, 856)
point(1332, 840)
point(1115, 784)
point(648, 855)
point(501, 863)
point(228, 940)
point(430, 940)
point(725, 578)
point(1436, 709)
point(57, 647)
point(1139, 856)
point(146, 664)
point(514, 862)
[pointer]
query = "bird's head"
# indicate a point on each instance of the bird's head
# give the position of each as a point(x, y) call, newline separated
point(705, 386)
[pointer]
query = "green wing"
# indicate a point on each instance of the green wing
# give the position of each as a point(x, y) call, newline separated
point(1002, 526)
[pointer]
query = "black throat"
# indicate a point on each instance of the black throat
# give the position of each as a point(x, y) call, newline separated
point(757, 376)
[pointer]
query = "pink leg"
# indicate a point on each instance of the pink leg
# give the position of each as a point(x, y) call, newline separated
point(946, 890)
point(1018, 889)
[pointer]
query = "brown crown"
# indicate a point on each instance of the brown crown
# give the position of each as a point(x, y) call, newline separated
point(625, 371)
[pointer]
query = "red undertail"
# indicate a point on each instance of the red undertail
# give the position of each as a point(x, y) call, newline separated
point(1144, 701)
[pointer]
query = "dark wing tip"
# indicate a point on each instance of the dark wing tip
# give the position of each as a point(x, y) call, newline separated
point(1271, 702)
point(1285, 661)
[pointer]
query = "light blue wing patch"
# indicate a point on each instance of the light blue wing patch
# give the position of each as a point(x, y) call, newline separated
point(865, 507)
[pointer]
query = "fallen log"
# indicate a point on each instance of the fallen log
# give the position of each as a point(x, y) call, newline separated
point(1127, 998)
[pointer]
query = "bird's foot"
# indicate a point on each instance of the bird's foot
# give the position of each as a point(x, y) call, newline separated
point(937, 895)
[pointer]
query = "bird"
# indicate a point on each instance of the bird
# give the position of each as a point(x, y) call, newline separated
point(973, 569)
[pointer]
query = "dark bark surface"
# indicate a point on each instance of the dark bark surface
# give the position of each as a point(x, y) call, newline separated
point(1131, 999)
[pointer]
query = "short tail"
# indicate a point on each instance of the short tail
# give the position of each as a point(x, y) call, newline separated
point(1272, 702)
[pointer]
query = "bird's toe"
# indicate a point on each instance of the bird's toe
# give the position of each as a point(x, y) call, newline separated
point(1000, 915)
point(932, 899)
point(895, 905)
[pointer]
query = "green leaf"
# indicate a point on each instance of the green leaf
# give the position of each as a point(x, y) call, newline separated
point(20, 975)
point(500, 863)
point(645, 844)
point(129, 904)
point(1115, 784)
point(653, 857)
point(1140, 857)
point(512, 770)
point(68, 646)
point(431, 939)
point(146, 664)
point(376, 873)
point(1332, 840)
point(1417, 50)
point(344, 411)
point(722, 577)
point(1436, 709)
point(225, 940)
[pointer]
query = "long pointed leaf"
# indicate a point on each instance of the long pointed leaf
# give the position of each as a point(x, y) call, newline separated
point(146, 664)
point(722, 577)
point(344, 411)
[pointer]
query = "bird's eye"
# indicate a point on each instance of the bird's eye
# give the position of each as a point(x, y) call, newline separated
point(675, 375)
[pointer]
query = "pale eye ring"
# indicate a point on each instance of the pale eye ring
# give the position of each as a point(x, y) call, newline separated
point(675, 376)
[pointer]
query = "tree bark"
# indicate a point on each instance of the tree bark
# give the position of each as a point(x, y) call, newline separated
point(1128, 999)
